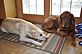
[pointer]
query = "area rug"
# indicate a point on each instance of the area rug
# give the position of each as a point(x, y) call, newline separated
point(53, 45)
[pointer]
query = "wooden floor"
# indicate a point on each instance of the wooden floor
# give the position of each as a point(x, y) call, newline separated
point(68, 49)
point(7, 47)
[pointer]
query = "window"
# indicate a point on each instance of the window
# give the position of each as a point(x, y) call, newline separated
point(59, 6)
point(33, 7)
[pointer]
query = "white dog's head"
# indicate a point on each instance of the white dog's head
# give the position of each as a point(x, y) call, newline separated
point(38, 35)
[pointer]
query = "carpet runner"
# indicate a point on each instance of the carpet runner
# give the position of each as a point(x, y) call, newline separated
point(53, 45)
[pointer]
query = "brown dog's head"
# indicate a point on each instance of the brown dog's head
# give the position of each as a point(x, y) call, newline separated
point(67, 23)
point(66, 19)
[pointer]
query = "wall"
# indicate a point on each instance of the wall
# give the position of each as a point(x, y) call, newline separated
point(10, 8)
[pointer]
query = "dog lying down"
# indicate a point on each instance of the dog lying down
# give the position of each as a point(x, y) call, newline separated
point(23, 28)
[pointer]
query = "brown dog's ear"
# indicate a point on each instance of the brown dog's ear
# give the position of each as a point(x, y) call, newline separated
point(72, 20)
point(62, 16)
point(60, 19)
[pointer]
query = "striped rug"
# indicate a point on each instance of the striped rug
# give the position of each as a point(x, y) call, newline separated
point(53, 45)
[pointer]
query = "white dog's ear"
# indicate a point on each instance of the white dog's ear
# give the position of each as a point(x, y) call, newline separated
point(33, 32)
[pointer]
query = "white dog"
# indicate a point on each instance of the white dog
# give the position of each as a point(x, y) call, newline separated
point(23, 28)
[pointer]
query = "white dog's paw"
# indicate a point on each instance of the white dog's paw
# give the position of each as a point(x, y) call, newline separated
point(38, 44)
point(21, 39)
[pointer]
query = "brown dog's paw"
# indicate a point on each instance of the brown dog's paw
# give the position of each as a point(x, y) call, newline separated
point(73, 44)
point(61, 32)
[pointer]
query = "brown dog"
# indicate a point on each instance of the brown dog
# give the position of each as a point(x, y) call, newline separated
point(65, 25)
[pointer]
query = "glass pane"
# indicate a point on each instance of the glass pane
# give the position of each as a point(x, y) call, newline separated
point(40, 7)
point(32, 7)
point(25, 6)
point(59, 6)
point(65, 5)
point(76, 7)
point(55, 7)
